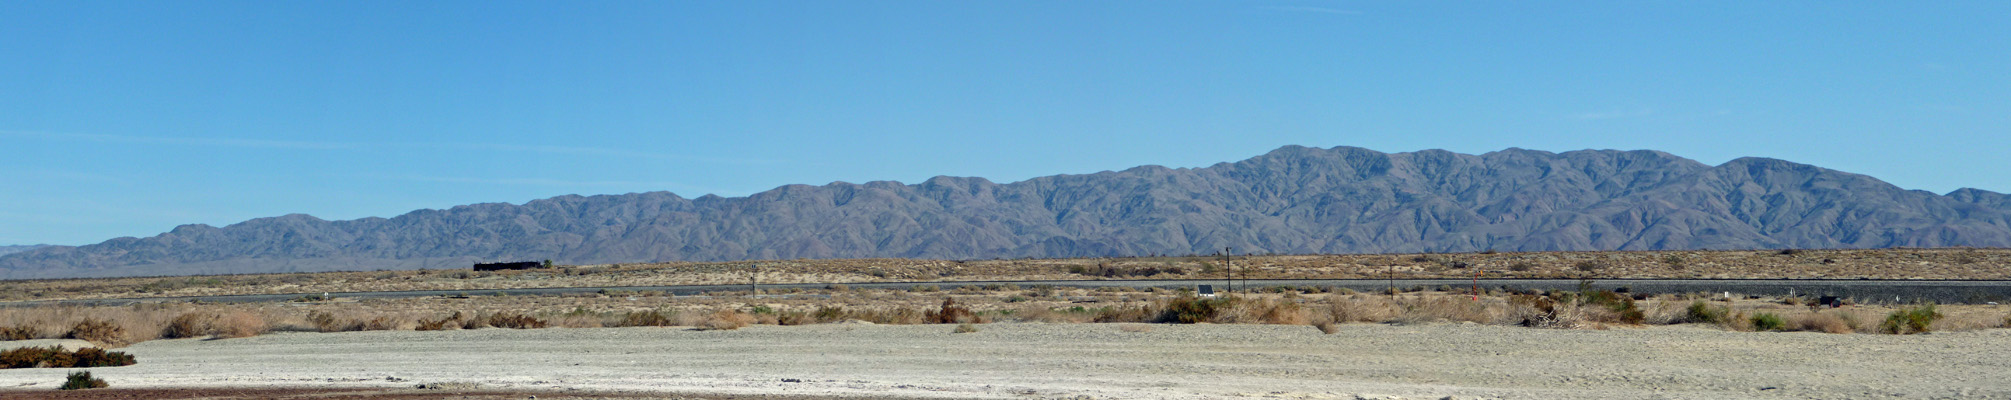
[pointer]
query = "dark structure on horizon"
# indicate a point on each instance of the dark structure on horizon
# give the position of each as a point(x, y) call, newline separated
point(508, 266)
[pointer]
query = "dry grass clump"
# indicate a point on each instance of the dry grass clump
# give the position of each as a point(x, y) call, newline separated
point(648, 318)
point(726, 320)
point(514, 321)
point(98, 331)
point(1452, 308)
point(443, 323)
point(23, 332)
point(1360, 308)
point(1823, 322)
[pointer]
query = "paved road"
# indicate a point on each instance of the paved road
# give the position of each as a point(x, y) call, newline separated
point(1864, 291)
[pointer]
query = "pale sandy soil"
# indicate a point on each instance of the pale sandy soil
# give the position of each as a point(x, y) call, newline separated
point(1033, 360)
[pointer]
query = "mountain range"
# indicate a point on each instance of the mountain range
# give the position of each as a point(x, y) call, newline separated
point(5, 250)
point(1291, 200)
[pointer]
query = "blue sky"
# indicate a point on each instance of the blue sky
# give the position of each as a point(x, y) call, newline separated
point(129, 118)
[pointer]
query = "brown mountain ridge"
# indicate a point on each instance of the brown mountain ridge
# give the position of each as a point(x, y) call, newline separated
point(1291, 200)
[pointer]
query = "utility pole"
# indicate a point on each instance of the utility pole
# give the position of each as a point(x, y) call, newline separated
point(1228, 277)
point(1391, 273)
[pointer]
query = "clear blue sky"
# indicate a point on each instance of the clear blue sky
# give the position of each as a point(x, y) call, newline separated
point(128, 118)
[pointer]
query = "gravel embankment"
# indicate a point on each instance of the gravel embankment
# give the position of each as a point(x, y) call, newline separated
point(1027, 360)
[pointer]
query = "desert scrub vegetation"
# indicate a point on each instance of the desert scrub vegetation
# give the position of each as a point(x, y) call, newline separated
point(82, 380)
point(1911, 320)
point(59, 357)
point(1748, 264)
point(1325, 308)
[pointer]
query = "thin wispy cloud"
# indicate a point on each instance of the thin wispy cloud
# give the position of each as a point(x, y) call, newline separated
point(1321, 10)
point(188, 141)
point(592, 151)
point(368, 146)
point(565, 183)
point(1594, 116)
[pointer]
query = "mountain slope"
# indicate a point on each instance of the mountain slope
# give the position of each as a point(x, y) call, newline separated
point(1291, 200)
point(5, 250)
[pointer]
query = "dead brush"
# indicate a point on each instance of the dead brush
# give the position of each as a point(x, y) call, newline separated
point(1452, 308)
point(1263, 311)
point(726, 320)
point(890, 316)
point(1139, 313)
point(98, 331)
point(443, 323)
point(514, 320)
point(189, 325)
point(952, 313)
point(23, 332)
point(1360, 308)
point(1821, 322)
point(647, 318)
point(327, 322)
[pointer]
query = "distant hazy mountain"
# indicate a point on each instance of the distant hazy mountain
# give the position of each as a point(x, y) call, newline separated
point(1292, 200)
point(5, 250)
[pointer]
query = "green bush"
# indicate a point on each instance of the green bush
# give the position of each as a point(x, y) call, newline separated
point(58, 357)
point(1910, 320)
point(82, 380)
point(1188, 310)
point(1768, 322)
point(1703, 312)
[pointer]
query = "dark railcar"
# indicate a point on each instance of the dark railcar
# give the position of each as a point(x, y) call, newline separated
point(507, 265)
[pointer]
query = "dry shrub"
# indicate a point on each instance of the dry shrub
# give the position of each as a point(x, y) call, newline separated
point(829, 314)
point(97, 331)
point(726, 320)
point(23, 332)
point(189, 325)
point(1265, 311)
point(896, 316)
point(443, 323)
point(572, 320)
point(385, 323)
point(646, 318)
point(1360, 308)
point(239, 324)
point(327, 322)
point(1545, 312)
point(58, 357)
point(1190, 309)
point(952, 313)
point(1444, 308)
point(1954, 320)
point(1822, 322)
point(1144, 313)
point(515, 321)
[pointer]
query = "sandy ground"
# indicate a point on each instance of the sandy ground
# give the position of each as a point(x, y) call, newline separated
point(1032, 360)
